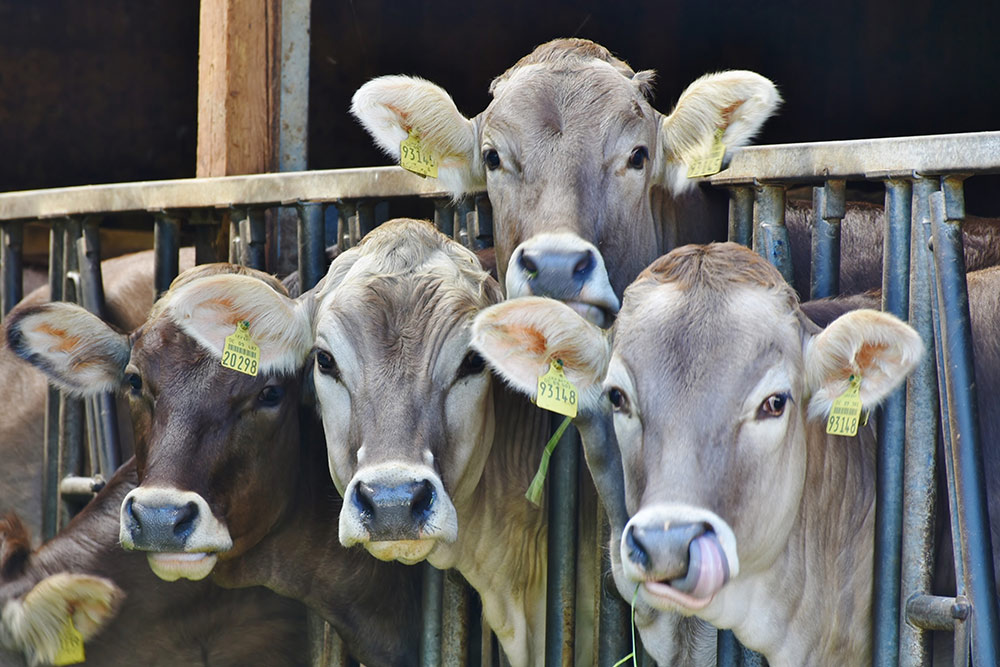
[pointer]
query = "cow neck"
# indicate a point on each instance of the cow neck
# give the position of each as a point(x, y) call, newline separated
point(302, 558)
point(813, 605)
point(502, 537)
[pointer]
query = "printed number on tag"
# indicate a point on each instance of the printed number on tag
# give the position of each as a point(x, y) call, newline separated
point(555, 392)
point(413, 156)
point(240, 353)
point(707, 165)
point(845, 414)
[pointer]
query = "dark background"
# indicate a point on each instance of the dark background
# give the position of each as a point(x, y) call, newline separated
point(106, 90)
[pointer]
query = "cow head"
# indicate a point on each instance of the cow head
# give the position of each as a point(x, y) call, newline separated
point(585, 177)
point(406, 404)
point(212, 444)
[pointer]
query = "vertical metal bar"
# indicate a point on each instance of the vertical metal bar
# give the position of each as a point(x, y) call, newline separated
point(71, 409)
point(381, 212)
point(728, 649)
point(454, 620)
point(237, 244)
point(166, 251)
point(614, 624)
point(891, 438)
point(253, 232)
point(741, 215)
point(919, 486)
point(465, 207)
point(563, 507)
point(353, 224)
point(206, 229)
point(956, 332)
point(771, 236)
point(430, 639)
point(366, 217)
point(331, 222)
point(484, 223)
point(12, 264)
point(444, 216)
point(828, 209)
point(312, 253)
point(50, 481)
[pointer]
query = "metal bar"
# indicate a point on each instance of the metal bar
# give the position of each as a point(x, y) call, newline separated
point(454, 620)
point(891, 428)
point(50, 479)
point(465, 208)
point(741, 215)
point(366, 217)
point(770, 233)
point(237, 249)
point(12, 264)
point(206, 224)
point(444, 216)
point(331, 222)
point(430, 639)
point(253, 232)
point(484, 222)
point(563, 508)
point(614, 613)
point(919, 486)
point(728, 649)
point(864, 158)
point(166, 251)
point(948, 210)
point(829, 208)
point(932, 612)
point(312, 252)
point(71, 427)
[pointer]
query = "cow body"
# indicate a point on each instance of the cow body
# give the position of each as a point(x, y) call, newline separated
point(230, 467)
point(136, 618)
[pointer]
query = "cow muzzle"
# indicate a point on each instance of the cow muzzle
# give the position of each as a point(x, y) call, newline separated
point(397, 513)
point(565, 267)
point(177, 529)
point(681, 558)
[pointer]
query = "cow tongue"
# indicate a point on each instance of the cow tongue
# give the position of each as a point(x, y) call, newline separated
point(708, 568)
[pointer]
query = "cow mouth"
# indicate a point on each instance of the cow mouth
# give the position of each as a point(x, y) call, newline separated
point(183, 565)
point(597, 314)
point(408, 552)
point(707, 573)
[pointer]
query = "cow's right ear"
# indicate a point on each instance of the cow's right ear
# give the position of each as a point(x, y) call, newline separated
point(77, 350)
point(521, 337)
point(35, 625)
point(390, 107)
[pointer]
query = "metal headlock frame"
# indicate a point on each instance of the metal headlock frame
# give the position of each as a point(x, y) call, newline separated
point(923, 281)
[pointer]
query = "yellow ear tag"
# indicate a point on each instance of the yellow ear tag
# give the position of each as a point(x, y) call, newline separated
point(240, 353)
point(555, 392)
point(845, 413)
point(70, 646)
point(413, 156)
point(707, 165)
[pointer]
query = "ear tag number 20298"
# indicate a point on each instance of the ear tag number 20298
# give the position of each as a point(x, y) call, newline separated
point(845, 413)
point(240, 353)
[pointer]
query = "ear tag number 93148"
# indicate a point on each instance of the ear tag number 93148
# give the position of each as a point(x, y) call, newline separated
point(709, 164)
point(555, 392)
point(414, 156)
point(845, 413)
point(240, 353)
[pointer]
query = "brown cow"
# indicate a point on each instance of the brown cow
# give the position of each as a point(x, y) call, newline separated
point(712, 348)
point(228, 486)
point(124, 614)
point(128, 290)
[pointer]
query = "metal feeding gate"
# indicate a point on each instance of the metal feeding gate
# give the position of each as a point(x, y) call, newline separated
point(923, 282)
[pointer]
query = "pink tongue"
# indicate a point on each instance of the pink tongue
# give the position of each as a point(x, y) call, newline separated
point(708, 569)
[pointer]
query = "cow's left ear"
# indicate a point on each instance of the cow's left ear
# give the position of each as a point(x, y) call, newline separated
point(735, 103)
point(520, 338)
point(391, 107)
point(211, 309)
point(876, 347)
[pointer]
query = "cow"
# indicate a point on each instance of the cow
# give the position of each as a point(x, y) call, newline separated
point(588, 182)
point(123, 613)
point(129, 295)
point(230, 466)
point(714, 397)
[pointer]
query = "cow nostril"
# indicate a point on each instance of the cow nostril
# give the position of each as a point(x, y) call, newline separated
point(637, 552)
point(527, 264)
point(186, 518)
point(363, 499)
point(130, 513)
point(585, 265)
point(423, 498)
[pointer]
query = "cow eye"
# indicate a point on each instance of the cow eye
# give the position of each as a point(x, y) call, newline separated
point(326, 364)
point(619, 401)
point(491, 159)
point(472, 364)
point(134, 383)
point(637, 160)
point(271, 395)
point(773, 406)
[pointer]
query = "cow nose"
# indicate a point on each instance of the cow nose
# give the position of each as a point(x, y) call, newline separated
point(557, 274)
point(394, 512)
point(160, 528)
point(662, 554)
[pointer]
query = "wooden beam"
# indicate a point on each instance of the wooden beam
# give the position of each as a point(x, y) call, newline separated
point(238, 87)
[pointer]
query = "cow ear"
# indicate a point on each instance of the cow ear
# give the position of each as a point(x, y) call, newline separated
point(520, 338)
point(35, 624)
point(736, 102)
point(876, 347)
point(76, 349)
point(211, 309)
point(390, 107)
